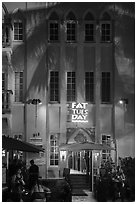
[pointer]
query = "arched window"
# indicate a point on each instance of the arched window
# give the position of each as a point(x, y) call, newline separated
point(89, 27)
point(106, 28)
point(18, 25)
point(70, 27)
point(18, 30)
point(53, 27)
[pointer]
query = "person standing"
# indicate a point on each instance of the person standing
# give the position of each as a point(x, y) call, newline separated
point(33, 173)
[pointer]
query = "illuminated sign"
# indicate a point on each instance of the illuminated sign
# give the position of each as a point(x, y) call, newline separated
point(79, 112)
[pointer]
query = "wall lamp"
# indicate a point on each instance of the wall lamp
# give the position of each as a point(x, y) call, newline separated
point(123, 101)
point(63, 155)
point(35, 102)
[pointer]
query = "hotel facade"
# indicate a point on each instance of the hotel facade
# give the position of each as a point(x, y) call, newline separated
point(58, 84)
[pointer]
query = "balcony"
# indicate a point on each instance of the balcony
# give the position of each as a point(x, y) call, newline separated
point(6, 101)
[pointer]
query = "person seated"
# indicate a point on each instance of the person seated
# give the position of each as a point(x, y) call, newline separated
point(17, 186)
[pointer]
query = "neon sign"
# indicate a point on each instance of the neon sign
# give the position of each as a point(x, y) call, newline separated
point(79, 112)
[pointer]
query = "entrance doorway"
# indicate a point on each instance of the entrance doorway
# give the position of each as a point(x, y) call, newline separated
point(80, 162)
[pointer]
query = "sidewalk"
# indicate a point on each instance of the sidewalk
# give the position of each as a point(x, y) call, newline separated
point(88, 198)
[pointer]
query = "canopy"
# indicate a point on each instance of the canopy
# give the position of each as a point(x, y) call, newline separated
point(84, 146)
point(14, 144)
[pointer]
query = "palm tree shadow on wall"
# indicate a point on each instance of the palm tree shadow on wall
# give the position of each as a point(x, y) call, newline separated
point(37, 55)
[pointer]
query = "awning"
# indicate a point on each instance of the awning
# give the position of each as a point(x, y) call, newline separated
point(9, 143)
point(84, 146)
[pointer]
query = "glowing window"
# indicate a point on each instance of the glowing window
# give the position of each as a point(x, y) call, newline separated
point(54, 150)
point(106, 153)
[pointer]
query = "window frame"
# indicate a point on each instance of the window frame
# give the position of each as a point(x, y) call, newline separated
point(55, 148)
point(105, 22)
point(94, 31)
point(107, 141)
point(22, 34)
point(18, 95)
point(56, 88)
point(49, 34)
point(71, 85)
point(70, 22)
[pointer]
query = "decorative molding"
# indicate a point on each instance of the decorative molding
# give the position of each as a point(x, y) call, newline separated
point(80, 138)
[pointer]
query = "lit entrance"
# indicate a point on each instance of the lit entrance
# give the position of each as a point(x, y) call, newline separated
point(80, 162)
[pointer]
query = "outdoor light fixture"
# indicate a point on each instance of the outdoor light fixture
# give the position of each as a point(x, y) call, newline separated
point(35, 102)
point(123, 101)
point(96, 155)
point(63, 155)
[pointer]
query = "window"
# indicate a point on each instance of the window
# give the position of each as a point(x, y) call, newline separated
point(89, 27)
point(89, 86)
point(71, 33)
point(54, 150)
point(106, 139)
point(5, 94)
point(105, 32)
point(18, 30)
point(89, 32)
point(106, 153)
point(71, 27)
point(53, 27)
point(105, 87)
point(54, 31)
point(71, 86)
point(106, 28)
point(18, 86)
point(54, 86)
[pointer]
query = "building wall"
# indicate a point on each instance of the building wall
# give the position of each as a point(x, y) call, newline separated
point(43, 56)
